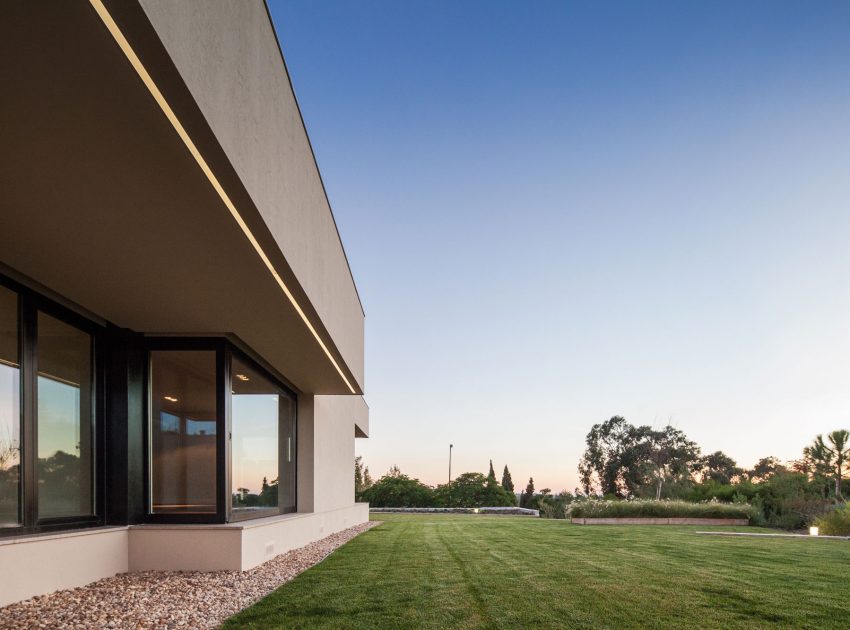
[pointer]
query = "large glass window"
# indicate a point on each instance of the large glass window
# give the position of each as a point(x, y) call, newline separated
point(262, 445)
point(64, 386)
point(219, 426)
point(47, 414)
point(183, 470)
point(10, 411)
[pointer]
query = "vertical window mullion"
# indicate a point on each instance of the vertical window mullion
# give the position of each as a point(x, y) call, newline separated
point(223, 432)
point(29, 450)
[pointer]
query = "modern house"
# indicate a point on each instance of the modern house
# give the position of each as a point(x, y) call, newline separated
point(181, 338)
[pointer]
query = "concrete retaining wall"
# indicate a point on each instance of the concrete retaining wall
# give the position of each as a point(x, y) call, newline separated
point(510, 511)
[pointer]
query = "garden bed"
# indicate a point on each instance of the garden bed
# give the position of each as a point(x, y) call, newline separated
point(637, 512)
point(659, 521)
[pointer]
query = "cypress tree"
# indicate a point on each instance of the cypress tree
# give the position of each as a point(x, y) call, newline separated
point(528, 495)
point(507, 482)
point(491, 476)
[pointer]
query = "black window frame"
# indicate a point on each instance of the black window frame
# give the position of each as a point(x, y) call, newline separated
point(225, 351)
point(30, 303)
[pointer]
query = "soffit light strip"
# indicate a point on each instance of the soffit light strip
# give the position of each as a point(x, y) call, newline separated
point(184, 136)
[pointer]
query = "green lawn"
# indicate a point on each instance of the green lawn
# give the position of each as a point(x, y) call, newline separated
point(423, 571)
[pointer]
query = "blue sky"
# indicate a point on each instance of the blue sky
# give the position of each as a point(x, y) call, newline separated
point(559, 212)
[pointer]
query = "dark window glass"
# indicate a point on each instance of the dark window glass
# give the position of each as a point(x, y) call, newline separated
point(288, 453)
point(262, 444)
point(183, 432)
point(10, 410)
point(64, 419)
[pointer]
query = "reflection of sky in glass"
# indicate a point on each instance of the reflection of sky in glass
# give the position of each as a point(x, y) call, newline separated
point(254, 442)
point(58, 418)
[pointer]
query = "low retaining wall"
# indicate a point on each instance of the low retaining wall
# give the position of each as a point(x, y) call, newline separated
point(660, 521)
point(510, 511)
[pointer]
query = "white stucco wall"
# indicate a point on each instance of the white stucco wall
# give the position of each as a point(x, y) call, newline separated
point(228, 57)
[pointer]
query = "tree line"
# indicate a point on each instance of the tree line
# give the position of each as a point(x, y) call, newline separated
point(469, 489)
point(622, 460)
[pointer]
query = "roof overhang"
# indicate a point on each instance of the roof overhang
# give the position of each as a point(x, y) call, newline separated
point(104, 202)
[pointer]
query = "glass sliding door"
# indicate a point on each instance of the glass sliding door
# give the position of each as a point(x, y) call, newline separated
point(183, 432)
point(262, 473)
point(48, 463)
point(64, 419)
point(221, 441)
point(10, 411)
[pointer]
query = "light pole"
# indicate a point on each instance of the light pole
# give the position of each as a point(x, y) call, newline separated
point(450, 462)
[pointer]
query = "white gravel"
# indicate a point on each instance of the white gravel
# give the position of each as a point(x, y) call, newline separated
point(169, 599)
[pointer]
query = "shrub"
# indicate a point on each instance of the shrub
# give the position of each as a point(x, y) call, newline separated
point(397, 490)
point(836, 522)
point(660, 509)
point(473, 490)
point(557, 506)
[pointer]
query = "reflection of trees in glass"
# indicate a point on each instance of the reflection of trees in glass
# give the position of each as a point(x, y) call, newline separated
point(59, 482)
point(9, 471)
point(244, 498)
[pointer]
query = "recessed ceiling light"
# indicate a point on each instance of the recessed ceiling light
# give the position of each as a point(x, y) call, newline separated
point(242, 377)
point(170, 398)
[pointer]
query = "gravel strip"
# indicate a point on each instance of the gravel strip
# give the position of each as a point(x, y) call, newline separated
point(169, 599)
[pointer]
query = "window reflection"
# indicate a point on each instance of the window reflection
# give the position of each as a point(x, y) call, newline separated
point(183, 431)
point(10, 410)
point(262, 444)
point(64, 419)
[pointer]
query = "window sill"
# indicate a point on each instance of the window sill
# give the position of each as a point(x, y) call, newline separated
point(13, 539)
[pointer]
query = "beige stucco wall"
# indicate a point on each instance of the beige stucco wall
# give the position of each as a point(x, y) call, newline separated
point(184, 547)
point(38, 565)
point(236, 546)
point(335, 417)
point(326, 427)
point(262, 541)
point(228, 57)
point(46, 563)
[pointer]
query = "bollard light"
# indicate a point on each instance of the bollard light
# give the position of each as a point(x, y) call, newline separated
point(813, 531)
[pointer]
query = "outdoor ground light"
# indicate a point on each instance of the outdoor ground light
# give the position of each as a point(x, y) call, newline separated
point(813, 531)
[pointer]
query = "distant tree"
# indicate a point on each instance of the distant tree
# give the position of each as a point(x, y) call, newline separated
point(719, 467)
point(473, 490)
point(528, 495)
point(362, 478)
point(492, 473)
point(816, 464)
point(840, 450)
point(507, 482)
point(766, 468)
point(606, 463)
point(394, 471)
point(396, 489)
point(672, 454)
point(624, 460)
